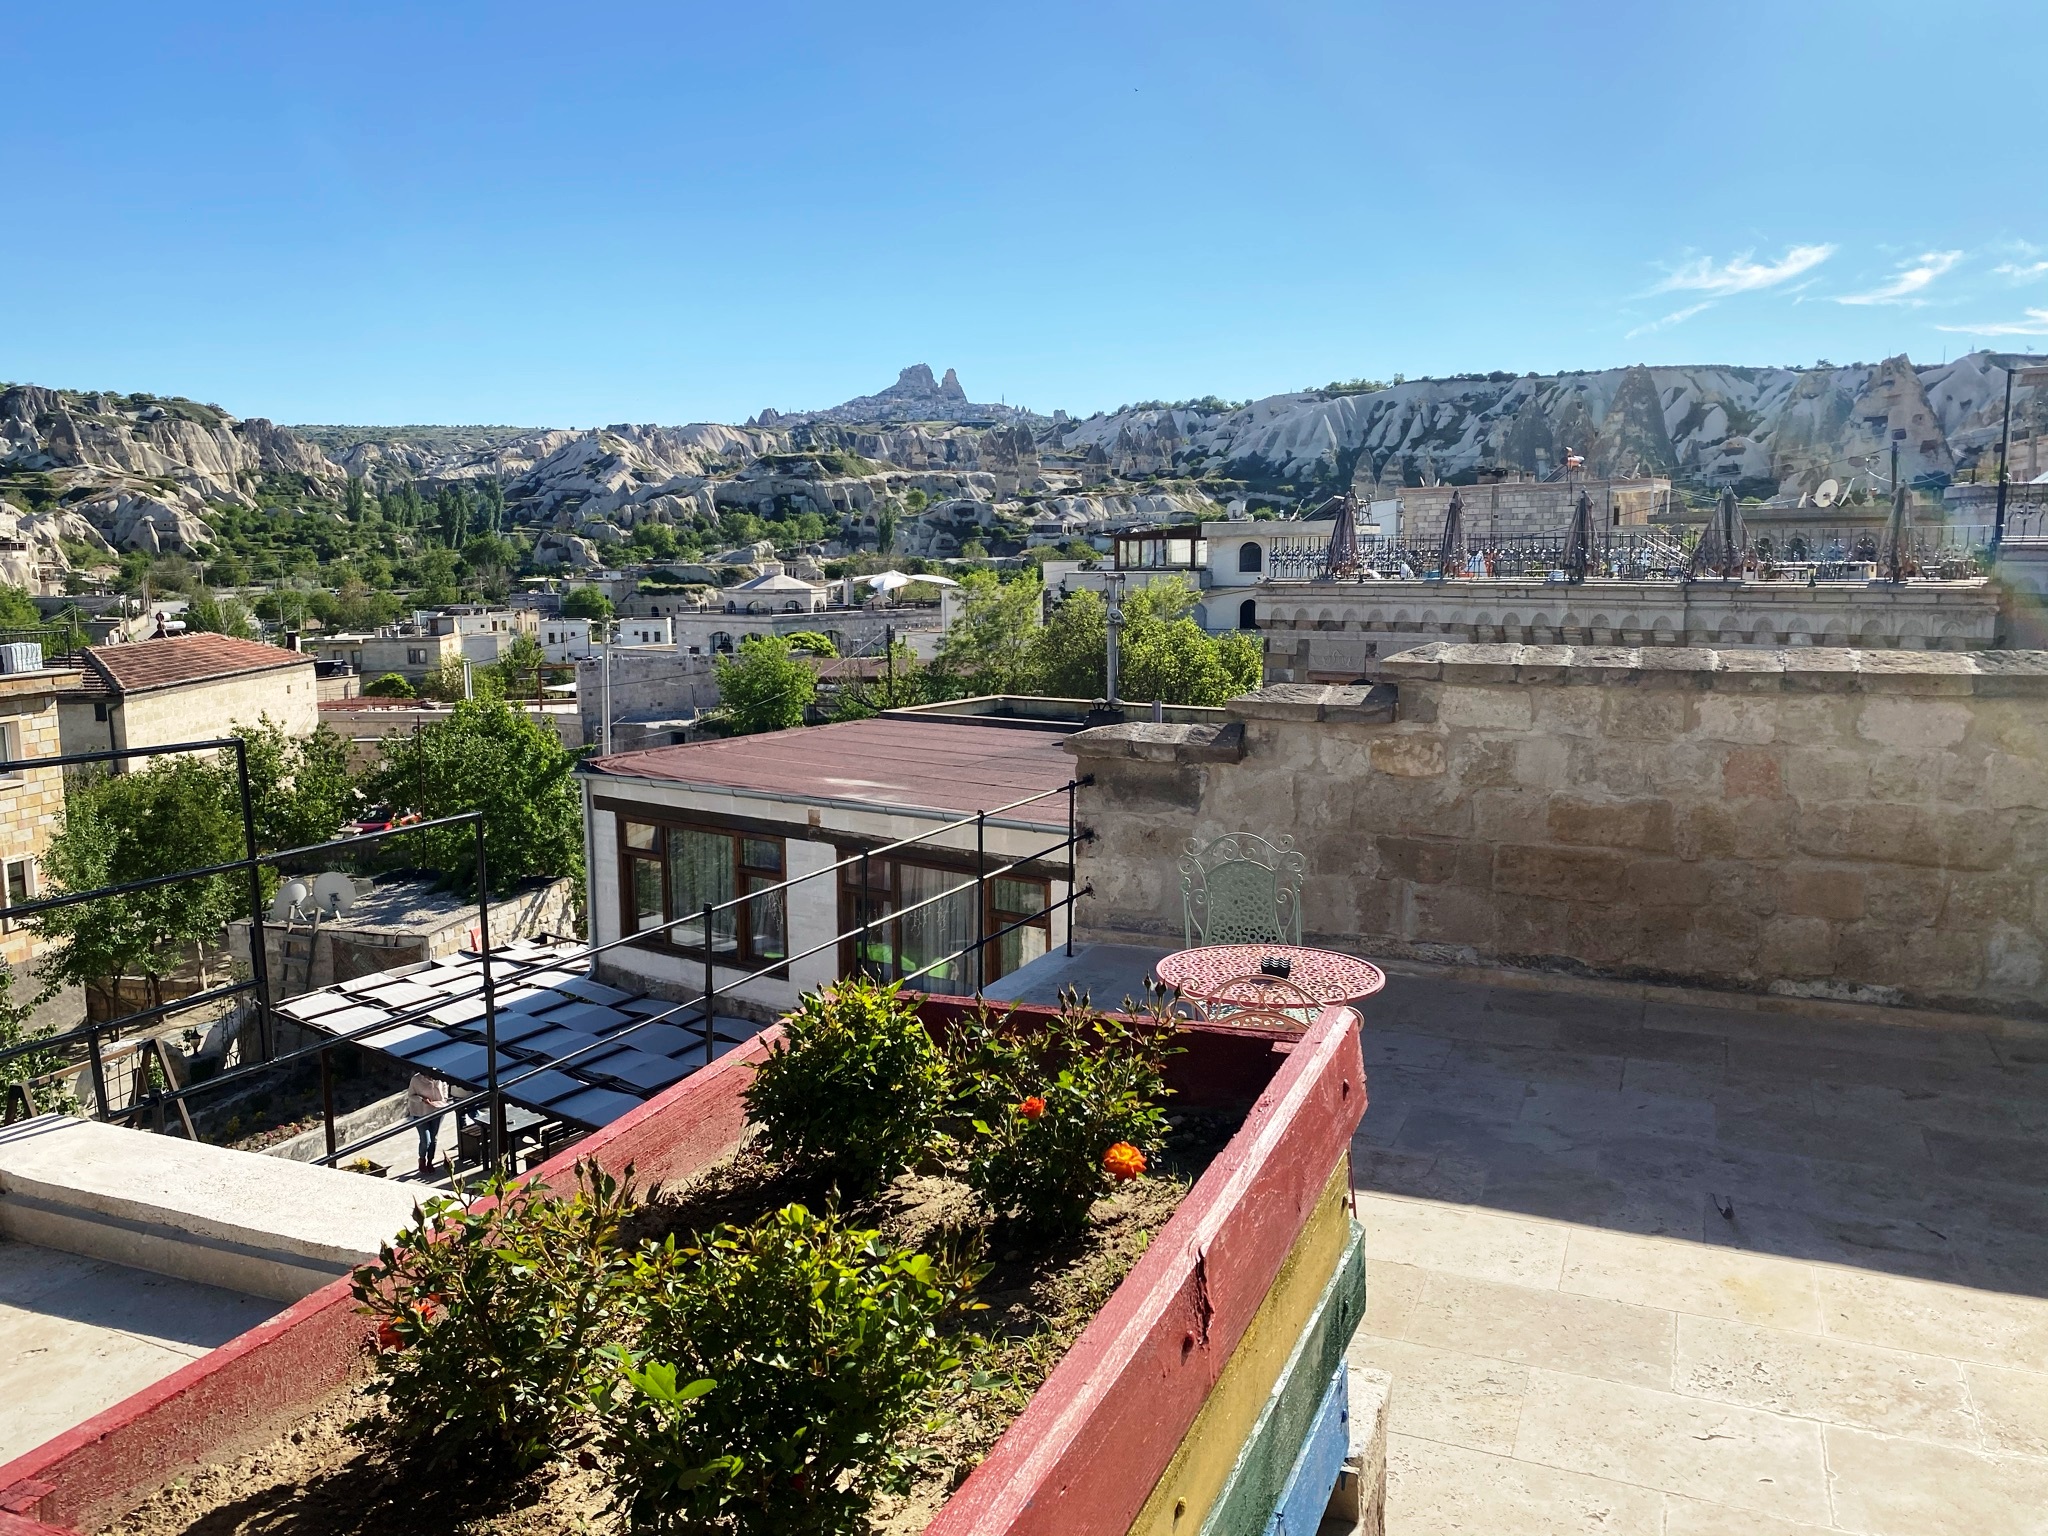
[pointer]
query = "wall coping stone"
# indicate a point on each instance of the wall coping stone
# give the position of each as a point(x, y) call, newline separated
point(1353, 704)
point(1162, 743)
point(1817, 669)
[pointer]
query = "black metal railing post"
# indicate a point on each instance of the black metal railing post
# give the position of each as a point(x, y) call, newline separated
point(860, 952)
point(327, 1095)
point(980, 901)
point(710, 992)
point(1073, 865)
point(259, 939)
point(495, 1099)
point(99, 1070)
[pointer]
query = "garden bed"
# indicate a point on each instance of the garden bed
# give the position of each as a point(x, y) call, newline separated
point(1132, 1420)
point(326, 1480)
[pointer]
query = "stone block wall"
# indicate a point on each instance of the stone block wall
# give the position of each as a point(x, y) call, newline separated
point(1843, 823)
point(31, 804)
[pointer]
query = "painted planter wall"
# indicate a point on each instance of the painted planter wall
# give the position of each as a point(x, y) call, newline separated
point(1183, 1407)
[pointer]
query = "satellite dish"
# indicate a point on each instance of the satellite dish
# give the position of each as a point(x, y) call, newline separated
point(333, 894)
point(1826, 494)
point(290, 896)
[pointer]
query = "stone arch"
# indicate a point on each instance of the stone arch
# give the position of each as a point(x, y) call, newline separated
point(1301, 618)
point(1327, 620)
point(1664, 632)
point(1250, 558)
point(1761, 633)
point(1248, 614)
point(1872, 637)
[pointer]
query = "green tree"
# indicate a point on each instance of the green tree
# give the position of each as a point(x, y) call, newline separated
point(300, 787)
point(16, 1030)
point(18, 609)
point(515, 673)
point(885, 528)
point(490, 757)
point(452, 507)
point(1166, 656)
point(764, 688)
point(390, 686)
point(809, 642)
point(355, 499)
point(1071, 656)
point(586, 603)
point(655, 541)
point(491, 503)
point(436, 578)
point(118, 828)
point(990, 647)
point(213, 615)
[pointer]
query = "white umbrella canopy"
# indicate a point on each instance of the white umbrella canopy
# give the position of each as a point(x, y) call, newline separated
point(889, 581)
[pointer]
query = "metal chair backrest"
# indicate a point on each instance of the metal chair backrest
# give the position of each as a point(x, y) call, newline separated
point(1241, 889)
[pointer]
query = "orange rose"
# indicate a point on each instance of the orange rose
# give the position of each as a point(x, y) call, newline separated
point(1032, 1108)
point(1123, 1162)
point(387, 1337)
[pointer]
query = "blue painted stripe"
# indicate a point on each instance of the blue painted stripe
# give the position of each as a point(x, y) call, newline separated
point(1317, 1469)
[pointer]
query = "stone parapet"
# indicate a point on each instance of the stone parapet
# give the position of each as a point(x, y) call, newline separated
point(1819, 669)
point(1862, 825)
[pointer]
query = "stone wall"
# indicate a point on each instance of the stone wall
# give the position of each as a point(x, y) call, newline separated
point(31, 802)
point(1842, 823)
point(1339, 632)
point(1523, 509)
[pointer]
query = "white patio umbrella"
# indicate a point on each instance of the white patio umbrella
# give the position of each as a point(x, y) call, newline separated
point(889, 581)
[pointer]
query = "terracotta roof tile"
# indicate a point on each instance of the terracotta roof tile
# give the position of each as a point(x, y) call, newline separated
point(181, 659)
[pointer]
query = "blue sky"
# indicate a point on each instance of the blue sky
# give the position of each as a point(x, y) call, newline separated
point(570, 215)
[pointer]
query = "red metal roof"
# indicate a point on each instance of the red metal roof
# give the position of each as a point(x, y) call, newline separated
point(930, 765)
point(179, 660)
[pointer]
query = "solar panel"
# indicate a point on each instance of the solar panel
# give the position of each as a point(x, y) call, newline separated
point(648, 1073)
point(544, 1087)
point(594, 1106)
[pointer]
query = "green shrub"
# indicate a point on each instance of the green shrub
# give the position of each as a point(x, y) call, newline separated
point(1046, 1105)
point(491, 1320)
point(776, 1369)
point(391, 685)
point(854, 1089)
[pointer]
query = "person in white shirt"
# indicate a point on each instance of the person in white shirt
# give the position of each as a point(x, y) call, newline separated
point(427, 1095)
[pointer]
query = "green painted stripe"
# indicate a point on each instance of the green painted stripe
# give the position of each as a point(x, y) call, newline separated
point(1256, 1482)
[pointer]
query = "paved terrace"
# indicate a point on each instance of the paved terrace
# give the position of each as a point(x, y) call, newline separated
point(1647, 1267)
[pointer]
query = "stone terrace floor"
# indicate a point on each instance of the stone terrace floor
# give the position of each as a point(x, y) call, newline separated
point(1650, 1268)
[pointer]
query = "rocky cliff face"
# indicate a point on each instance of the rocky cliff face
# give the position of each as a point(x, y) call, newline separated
point(1791, 427)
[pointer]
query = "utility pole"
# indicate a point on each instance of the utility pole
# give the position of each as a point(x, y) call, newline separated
point(889, 664)
point(1113, 589)
point(605, 702)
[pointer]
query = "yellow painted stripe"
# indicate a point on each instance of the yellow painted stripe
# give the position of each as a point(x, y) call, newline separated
point(1202, 1464)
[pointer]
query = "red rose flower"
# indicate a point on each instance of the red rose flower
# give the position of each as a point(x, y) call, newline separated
point(1123, 1162)
point(1032, 1108)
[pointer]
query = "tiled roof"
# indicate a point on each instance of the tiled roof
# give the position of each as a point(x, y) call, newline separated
point(934, 765)
point(182, 659)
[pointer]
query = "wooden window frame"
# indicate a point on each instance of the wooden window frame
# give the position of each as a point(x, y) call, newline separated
point(745, 954)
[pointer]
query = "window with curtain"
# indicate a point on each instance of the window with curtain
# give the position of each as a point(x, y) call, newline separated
point(902, 942)
point(669, 874)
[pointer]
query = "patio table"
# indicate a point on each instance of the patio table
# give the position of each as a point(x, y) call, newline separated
point(1206, 975)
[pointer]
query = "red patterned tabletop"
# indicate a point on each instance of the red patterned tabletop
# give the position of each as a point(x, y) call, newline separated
point(1324, 974)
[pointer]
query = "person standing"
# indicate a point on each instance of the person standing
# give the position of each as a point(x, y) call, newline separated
point(427, 1095)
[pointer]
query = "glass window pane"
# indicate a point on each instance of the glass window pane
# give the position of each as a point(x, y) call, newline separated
point(767, 921)
point(646, 893)
point(17, 882)
point(640, 836)
point(1017, 898)
point(761, 853)
point(942, 928)
point(700, 874)
point(1014, 949)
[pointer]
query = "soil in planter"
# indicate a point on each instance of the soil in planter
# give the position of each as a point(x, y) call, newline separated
point(321, 1480)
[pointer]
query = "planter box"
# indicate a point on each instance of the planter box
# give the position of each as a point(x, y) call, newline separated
point(1207, 1396)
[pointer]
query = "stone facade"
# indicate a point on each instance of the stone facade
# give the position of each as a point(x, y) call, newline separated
point(1844, 823)
point(1340, 632)
point(31, 802)
point(1525, 509)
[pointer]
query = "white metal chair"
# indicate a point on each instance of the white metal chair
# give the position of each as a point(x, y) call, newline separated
point(1241, 889)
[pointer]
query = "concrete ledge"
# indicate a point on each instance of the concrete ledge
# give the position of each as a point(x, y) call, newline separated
point(262, 1225)
point(1818, 669)
point(1361, 1495)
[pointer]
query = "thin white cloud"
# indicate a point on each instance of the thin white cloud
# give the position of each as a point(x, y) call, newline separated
point(1910, 279)
point(2021, 272)
point(2036, 324)
point(1740, 274)
point(1676, 317)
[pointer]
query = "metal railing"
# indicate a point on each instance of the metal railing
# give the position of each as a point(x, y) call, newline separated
point(494, 975)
